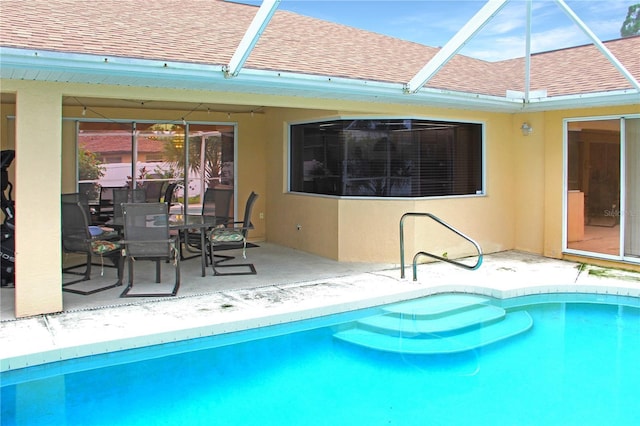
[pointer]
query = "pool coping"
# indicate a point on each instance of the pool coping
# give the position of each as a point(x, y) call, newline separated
point(75, 334)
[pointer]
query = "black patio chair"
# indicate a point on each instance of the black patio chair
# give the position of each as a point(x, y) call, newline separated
point(146, 232)
point(169, 197)
point(104, 211)
point(125, 195)
point(78, 197)
point(154, 191)
point(216, 203)
point(233, 235)
point(77, 238)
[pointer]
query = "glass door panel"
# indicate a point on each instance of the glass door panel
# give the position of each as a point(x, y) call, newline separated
point(593, 183)
point(211, 159)
point(159, 158)
point(152, 155)
point(104, 156)
point(631, 211)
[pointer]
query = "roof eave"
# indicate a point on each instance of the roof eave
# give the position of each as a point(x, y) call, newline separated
point(585, 100)
point(29, 64)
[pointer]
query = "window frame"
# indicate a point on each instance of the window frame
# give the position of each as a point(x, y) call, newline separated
point(483, 147)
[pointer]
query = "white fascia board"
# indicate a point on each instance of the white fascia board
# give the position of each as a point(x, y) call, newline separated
point(374, 91)
point(13, 59)
point(251, 36)
point(453, 46)
point(596, 41)
point(586, 100)
point(27, 64)
point(527, 55)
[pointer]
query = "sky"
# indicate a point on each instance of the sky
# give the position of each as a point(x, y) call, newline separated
point(433, 22)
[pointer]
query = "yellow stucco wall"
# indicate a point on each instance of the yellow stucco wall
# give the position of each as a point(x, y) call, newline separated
point(36, 188)
point(368, 230)
point(529, 182)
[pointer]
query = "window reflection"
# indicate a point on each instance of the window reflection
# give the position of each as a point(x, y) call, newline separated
point(386, 158)
point(149, 156)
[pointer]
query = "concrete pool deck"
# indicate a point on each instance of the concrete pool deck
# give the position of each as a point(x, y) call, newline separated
point(100, 328)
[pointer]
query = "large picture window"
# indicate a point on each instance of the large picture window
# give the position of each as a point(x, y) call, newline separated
point(386, 158)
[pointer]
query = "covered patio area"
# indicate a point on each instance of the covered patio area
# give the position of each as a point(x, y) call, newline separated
point(275, 265)
point(481, 145)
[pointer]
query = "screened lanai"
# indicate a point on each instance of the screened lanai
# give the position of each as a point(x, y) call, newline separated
point(258, 76)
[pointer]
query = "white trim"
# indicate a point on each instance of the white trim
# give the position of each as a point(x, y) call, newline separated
point(565, 185)
point(596, 41)
point(251, 37)
point(22, 64)
point(457, 42)
point(622, 207)
point(527, 57)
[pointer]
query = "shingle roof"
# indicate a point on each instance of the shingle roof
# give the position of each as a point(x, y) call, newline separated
point(581, 69)
point(208, 32)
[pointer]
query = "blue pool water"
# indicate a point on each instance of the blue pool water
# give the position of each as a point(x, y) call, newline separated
point(578, 365)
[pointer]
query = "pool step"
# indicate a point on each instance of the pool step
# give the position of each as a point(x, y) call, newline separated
point(437, 305)
point(409, 324)
point(437, 325)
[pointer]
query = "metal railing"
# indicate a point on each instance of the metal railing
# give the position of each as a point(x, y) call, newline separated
point(422, 253)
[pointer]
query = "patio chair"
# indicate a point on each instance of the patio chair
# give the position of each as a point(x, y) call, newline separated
point(169, 196)
point(78, 197)
point(76, 238)
point(125, 195)
point(153, 190)
point(146, 232)
point(105, 204)
point(216, 202)
point(233, 235)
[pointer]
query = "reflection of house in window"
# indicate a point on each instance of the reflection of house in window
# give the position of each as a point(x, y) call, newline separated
point(154, 158)
point(110, 159)
point(144, 154)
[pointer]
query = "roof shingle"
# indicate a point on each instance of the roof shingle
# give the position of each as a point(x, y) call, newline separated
point(208, 32)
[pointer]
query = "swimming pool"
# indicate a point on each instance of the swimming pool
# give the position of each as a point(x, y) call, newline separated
point(577, 364)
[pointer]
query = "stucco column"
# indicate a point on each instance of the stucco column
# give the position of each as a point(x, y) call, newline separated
point(37, 195)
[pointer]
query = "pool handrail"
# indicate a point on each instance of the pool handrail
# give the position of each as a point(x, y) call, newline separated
point(423, 253)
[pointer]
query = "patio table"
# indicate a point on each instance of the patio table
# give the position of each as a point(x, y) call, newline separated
point(180, 222)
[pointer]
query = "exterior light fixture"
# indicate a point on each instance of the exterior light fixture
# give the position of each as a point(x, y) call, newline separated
point(526, 129)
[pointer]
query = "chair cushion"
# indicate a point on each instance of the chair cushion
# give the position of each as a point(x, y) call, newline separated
point(103, 246)
point(221, 235)
point(95, 231)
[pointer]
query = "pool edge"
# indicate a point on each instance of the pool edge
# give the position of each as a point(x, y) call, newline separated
point(289, 313)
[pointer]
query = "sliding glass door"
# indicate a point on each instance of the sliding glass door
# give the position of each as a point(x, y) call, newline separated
point(602, 188)
point(150, 155)
point(631, 207)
